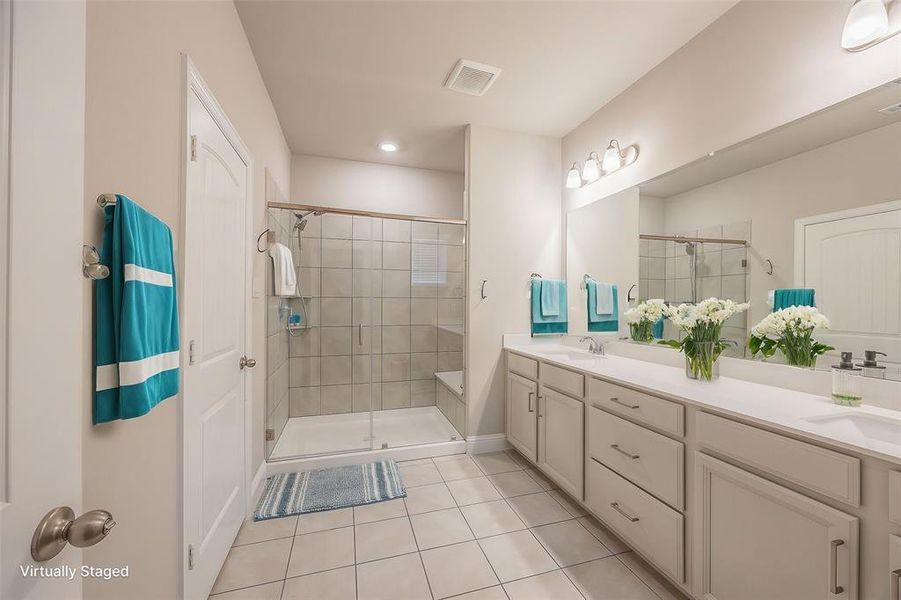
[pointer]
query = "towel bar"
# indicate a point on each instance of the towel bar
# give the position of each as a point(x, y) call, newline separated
point(104, 200)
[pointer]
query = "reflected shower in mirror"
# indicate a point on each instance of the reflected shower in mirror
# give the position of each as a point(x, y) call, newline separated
point(809, 213)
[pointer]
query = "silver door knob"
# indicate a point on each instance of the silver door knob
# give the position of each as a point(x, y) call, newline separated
point(248, 362)
point(60, 527)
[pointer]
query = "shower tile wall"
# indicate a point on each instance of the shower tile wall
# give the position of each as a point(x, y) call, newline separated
point(665, 272)
point(399, 295)
point(277, 404)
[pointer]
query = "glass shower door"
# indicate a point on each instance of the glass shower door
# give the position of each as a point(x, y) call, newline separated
point(418, 305)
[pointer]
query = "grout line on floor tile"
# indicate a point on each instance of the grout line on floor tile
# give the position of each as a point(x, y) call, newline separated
point(639, 577)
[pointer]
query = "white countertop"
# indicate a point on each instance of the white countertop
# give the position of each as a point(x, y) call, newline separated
point(780, 408)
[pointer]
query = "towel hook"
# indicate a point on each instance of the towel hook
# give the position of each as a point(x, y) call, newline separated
point(90, 264)
point(629, 297)
point(259, 238)
point(538, 275)
point(769, 270)
point(484, 296)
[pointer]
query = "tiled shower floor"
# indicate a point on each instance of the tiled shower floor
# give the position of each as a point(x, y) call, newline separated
point(483, 527)
point(323, 434)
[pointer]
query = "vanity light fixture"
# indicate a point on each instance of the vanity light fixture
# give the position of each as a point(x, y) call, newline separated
point(592, 169)
point(573, 178)
point(613, 157)
point(867, 25)
point(388, 147)
point(596, 167)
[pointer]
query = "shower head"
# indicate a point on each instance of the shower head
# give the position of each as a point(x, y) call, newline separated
point(302, 218)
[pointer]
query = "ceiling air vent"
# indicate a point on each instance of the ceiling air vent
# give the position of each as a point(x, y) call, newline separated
point(891, 110)
point(471, 78)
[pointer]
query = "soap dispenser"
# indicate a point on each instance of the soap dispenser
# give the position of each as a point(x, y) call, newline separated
point(846, 380)
point(871, 366)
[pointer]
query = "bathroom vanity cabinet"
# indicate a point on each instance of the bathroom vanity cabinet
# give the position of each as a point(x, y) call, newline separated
point(725, 509)
point(541, 419)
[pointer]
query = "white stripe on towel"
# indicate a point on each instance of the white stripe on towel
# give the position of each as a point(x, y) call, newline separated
point(135, 371)
point(145, 275)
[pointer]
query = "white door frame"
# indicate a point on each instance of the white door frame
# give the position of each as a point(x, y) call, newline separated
point(5, 52)
point(800, 224)
point(194, 83)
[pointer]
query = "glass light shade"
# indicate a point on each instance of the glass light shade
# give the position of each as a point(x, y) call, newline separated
point(573, 178)
point(592, 169)
point(867, 22)
point(612, 158)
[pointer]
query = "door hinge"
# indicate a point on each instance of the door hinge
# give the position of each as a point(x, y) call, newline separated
point(190, 557)
point(270, 435)
point(191, 352)
point(193, 148)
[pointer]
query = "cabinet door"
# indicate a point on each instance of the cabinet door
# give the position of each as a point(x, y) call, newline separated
point(561, 449)
point(522, 415)
point(757, 539)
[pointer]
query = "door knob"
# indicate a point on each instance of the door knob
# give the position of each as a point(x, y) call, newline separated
point(60, 527)
point(248, 362)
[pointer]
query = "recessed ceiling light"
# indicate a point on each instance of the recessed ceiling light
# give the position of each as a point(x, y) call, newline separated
point(388, 147)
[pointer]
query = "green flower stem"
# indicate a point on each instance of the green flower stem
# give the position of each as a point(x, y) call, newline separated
point(643, 331)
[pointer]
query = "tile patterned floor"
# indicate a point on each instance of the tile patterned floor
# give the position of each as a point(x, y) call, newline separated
point(483, 527)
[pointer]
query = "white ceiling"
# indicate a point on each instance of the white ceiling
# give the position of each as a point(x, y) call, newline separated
point(346, 75)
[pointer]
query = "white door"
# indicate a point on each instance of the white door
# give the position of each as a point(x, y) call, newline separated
point(853, 261)
point(214, 342)
point(44, 395)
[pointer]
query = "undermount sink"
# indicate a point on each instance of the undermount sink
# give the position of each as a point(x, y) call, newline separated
point(572, 355)
point(884, 429)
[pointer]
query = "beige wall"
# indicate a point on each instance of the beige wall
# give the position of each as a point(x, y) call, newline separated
point(613, 222)
point(515, 225)
point(761, 65)
point(859, 171)
point(376, 187)
point(133, 146)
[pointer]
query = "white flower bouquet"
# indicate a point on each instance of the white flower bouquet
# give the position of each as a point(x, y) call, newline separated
point(702, 324)
point(641, 319)
point(791, 331)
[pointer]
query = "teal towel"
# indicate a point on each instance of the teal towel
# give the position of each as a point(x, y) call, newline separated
point(548, 324)
point(598, 322)
point(657, 330)
point(136, 355)
point(550, 297)
point(783, 298)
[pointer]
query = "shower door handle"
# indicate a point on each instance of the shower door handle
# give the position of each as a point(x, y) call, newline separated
point(360, 334)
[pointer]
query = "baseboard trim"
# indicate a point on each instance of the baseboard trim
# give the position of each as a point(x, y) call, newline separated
point(256, 484)
point(480, 444)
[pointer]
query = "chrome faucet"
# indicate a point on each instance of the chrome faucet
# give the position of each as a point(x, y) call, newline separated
point(595, 346)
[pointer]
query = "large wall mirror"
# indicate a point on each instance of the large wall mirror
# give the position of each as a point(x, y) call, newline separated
point(815, 204)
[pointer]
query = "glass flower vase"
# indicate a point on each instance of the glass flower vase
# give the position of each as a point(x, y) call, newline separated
point(643, 331)
point(701, 361)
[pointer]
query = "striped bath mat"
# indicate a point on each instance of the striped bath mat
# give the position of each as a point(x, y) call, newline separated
point(339, 487)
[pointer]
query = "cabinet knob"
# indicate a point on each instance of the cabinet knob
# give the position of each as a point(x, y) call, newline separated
point(247, 362)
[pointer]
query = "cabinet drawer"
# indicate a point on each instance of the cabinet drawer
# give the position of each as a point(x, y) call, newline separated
point(651, 526)
point(656, 412)
point(827, 472)
point(649, 460)
point(563, 380)
point(522, 365)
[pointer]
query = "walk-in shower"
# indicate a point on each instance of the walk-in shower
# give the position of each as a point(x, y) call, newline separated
point(368, 354)
point(691, 266)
